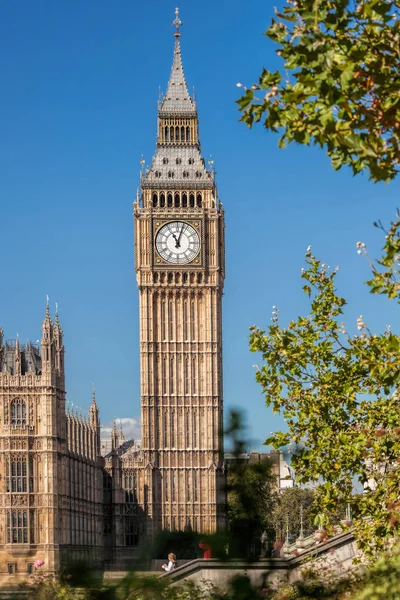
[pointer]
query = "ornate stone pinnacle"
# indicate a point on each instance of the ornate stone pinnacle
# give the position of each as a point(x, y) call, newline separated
point(177, 22)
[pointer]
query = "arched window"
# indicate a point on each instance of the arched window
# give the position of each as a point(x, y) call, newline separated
point(184, 200)
point(198, 174)
point(162, 199)
point(172, 134)
point(199, 200)
point(191, 161)
point(177, 134)
point(157, 174)
point(182, 134)
point(165, 161)
point(188, 134)
point(155, 200)
point(185, 174)
point(177, 200)
point(18, 413)
point(191, 201)
point(171, 174)
point(178, 161)
point(167, 134)
point(169, 199)
point(19, 474)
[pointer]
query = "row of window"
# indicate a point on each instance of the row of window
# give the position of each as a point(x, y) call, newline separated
point(20, 527)
point(171, 174)
point(177, 200)
point(178, 161)
point(18, 413)
point(178, 277)
point(19, 474)
point(177, 134)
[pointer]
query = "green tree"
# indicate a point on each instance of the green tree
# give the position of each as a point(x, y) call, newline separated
point(337, 394)
point(251, 496)
point(289, 503)
point(339, 86)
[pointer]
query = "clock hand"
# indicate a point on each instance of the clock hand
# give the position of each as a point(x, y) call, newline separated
point(177, 244)
point(180, 235)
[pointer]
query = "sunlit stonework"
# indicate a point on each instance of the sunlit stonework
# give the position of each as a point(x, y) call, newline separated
point(59, 498)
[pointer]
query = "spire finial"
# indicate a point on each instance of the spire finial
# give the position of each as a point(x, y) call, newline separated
point(47, 305)
point(178, 23)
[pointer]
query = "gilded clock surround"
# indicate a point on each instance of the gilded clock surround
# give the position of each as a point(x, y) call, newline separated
point(197, 224)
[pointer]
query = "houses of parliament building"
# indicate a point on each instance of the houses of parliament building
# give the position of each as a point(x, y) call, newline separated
point(59, 498)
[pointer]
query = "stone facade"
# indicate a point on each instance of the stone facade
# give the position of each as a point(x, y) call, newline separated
point(59, 498)
point(176, 479)
point(51, 476)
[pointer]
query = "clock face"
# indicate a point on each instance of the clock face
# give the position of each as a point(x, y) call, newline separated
point(177, 242)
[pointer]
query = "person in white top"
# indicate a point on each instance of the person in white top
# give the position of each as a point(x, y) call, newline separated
point(171, 563)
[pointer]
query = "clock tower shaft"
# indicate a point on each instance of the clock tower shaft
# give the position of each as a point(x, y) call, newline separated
point(180, 321)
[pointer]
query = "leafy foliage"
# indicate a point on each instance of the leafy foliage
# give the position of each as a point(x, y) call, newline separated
point(340, 83)
point(251, 491)
point(336, 394)
point(289, 502)
point(386, 271)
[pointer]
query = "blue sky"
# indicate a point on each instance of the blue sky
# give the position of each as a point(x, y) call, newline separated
point(78, 102)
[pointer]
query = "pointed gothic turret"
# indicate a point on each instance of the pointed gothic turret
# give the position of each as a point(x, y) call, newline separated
point(177, 100)
point(17, 357)
point(58, 343)
point(47, 340)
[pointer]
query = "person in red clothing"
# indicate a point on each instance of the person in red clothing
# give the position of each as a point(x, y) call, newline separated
point(206, 548)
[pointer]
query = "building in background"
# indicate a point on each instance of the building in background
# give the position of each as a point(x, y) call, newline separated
point(51, 475)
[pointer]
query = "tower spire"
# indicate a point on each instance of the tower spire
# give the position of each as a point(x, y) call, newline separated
point(177, 22)
point(177, 99)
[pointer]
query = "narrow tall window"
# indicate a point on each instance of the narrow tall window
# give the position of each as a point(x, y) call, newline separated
point(186, 375)
point(162, 199)
point(169, 199)
point(17, 474)
point(199, 200)
point(188, 134)
point(194, 429)
point(177, 134)
point(187, 429)
point(192, 320)
point(167, 134)
point(171, 321)
point(165, 429)
point(18, 413)
point(171, 375)
point(172, 429)
point(182, 134)
point(155, 200)
point(191, 201)
point(177, 200)
point(195, 486)
point(188, 487)
point(18, 529)
point(166, 487)
point(185, 320)
point(163, 321)
point(184, 199)
point(164, 375)
point(173, 492)
point(194, 378)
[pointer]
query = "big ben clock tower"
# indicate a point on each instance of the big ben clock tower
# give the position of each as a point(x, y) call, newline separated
point(179, 261)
